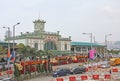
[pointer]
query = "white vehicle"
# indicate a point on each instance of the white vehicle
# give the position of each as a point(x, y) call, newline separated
point(6, 79)
point(105, 66)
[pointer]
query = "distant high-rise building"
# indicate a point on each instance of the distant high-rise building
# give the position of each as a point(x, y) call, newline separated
point(8, 34)
point(113, 45)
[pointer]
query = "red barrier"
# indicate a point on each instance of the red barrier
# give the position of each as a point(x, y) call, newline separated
point(86, 69)
point(0, 69)
point(107, 76)
point(72, 78)
point(99, 66)
point(0, 74)
point(60, 79)
point(84, 77)
point(95, 77)
point(9, 72)
point(114, 70)
point(90, 67)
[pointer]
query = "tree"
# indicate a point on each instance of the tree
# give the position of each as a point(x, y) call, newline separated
point(2, 50)
point(33, 53)
point(113, 51)
point(40, 53)
point(21, 48)
point(24, 50)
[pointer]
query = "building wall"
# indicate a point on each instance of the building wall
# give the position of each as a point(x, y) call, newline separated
point(62, 45)
point(85, 49)
point(52, 38)
point(40, 38)
point(23, 41)
point(31, 43)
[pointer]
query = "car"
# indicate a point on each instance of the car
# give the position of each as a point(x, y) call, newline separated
point(78, 70)
point(61, 72)
point(6, 79)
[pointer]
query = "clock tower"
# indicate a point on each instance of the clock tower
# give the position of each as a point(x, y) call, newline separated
point(39, 25)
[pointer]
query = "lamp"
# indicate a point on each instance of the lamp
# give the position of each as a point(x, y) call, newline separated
point(8, 55)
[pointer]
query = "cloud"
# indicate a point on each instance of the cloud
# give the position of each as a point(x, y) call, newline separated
point(110, 11)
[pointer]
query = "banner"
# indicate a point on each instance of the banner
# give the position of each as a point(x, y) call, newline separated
point(92, 53)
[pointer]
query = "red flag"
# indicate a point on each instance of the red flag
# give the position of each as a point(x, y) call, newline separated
point(13, 59)
point(8, 55)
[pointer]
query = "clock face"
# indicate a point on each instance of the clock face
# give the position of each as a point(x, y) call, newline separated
point(39, 27)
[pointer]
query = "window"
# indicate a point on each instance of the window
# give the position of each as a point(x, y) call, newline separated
point(78, 49)
point(36, 46)
point(65, 46)
point(50, 45)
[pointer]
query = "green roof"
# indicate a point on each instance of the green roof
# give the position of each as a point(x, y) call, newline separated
point(3, 42)
point(84, 44)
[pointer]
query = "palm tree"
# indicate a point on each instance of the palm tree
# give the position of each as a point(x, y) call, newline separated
point(3, 51)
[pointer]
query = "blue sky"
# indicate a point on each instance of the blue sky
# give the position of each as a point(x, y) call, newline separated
point(70, 17)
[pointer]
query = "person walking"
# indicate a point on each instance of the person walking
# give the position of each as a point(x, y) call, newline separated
point(110, 71)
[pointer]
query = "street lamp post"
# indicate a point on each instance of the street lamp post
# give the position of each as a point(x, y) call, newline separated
point(14, 47)
point(8, 36)
point(94, 39)
point(90, 39)
point(14, 36)
point(90, 46)
point(106, 42)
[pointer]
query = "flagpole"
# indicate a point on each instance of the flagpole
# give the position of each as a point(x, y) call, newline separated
point(91, 47)
point(8, 51)
point(14, 36)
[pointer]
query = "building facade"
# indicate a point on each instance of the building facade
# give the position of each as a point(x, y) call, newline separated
point(5, 44)
point(85, 47)
point(42, 40)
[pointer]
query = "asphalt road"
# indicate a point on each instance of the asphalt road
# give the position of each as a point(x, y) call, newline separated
point(50, 78)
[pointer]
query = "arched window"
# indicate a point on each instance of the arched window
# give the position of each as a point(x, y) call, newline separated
point(36, 46)
point(65, 46)
point(50, 45)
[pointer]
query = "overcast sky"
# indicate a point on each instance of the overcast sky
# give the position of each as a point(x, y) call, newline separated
point(70, 17)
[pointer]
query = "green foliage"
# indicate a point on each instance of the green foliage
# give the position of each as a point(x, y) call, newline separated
point(2, 50)
point(38, 68)
point(21, 48)
point(3, 68)
point(26, 51)
point(16, 72)
point(29, 72)
point(3, 60)
point(114, 51)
